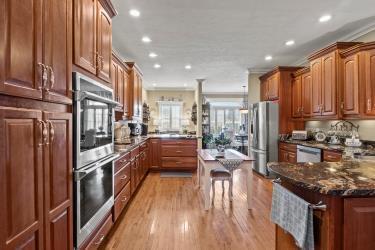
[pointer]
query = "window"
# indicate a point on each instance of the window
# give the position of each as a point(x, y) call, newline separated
point(170, 116)
point(225, 118)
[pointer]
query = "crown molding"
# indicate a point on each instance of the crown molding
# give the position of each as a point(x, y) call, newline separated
point(258, 70)
point(347, 38)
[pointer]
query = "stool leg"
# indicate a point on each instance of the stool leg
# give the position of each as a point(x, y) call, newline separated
point(230, 193)
point(222, 185)
point(213, 190)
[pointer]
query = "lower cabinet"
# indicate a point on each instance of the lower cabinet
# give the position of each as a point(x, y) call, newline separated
point(287, 152)
point(35, 163)
point(179, 154)
point(100, 234)
point(331, 156)
point(121, 200)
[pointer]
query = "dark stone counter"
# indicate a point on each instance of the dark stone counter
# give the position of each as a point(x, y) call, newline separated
point(347, 178)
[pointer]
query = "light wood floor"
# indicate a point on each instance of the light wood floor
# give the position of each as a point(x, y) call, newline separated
point(168, 213)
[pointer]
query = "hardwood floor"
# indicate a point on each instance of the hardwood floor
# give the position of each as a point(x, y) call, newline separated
point(168, 213)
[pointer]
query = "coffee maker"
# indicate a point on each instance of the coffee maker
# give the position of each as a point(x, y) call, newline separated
point(135, 128)
point(144, 129)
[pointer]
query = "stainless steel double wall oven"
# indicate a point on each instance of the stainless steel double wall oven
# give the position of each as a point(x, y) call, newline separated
point(93, 110)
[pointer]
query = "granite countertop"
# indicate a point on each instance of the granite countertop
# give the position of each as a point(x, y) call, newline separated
point(137, 140)
point(326, 146)
point(346, 178)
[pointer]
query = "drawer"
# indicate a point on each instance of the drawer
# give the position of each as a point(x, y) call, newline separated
point(288, 147)
point(121, 162)
point(100, 235)
point(143, 146)
point(179, 142)
point(121, 200)
point(169, 150)
point(179, 162)
point(331, 156)
point(134, 153)
point(121, 178)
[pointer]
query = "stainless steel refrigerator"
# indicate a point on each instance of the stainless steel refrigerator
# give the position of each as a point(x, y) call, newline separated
point(264, 134)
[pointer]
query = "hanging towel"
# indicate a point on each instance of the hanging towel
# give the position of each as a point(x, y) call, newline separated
point(294, 215)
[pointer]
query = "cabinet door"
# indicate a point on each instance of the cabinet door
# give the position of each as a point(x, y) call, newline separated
point(283, 155)
point(114, 79)
point(104, 44)
point(292, 157)
point(296, 97)
point(58, 182)
point(85, 51)
point(126, 88)
point(140, 105)
point(306, 86)
point(120, 84)
point(21, 179)
point(155, 153)
point(133, 176)
point(316, 82)
point(136, 95)
point(273, 87)
point(329, 85)
point(350, 94)
point(21, 48)
point(58, 50)
point(370, 82)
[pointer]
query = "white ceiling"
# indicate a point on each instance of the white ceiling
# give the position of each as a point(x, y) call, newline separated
point(221, 39)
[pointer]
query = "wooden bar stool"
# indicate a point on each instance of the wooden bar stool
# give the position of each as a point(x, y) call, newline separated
point(221, 174)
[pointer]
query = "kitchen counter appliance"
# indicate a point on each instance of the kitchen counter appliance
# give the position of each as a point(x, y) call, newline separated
point(308, 154)
point(264, 134)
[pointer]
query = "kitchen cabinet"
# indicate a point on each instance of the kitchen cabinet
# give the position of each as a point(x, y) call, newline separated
point(38, 49)
point(93, 36)
point(155, 148)
point(120, 83)
point(276, 86)
point(287, 152)
point(350, 89)
point(100, 234)
point(135, 88)
point(301, 94)
point(331, 156)
point(370, 80)
point(36, 163)
point(326, 77)
point(179, 154)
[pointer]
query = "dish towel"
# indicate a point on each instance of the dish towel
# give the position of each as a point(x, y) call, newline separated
point(230, 164)
point(294, 215)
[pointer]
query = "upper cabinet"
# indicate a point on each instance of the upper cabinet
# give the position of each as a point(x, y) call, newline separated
point(135, 87)
point(270, 87)
point(37, 49)
point(369, 58)
point(326, 75)
point(120, 82)
point(93, 36)
point(301, 94)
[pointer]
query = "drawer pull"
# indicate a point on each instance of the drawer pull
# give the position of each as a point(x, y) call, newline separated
point(178, 151)
point(178, 162)
point(123, 161)
point(124, 200)
point(124, 177)
point(100, 240)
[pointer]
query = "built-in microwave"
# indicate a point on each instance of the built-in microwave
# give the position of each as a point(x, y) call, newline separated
point(93, 112)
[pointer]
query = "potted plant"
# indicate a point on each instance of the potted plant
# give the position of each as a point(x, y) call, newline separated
point(221, 142)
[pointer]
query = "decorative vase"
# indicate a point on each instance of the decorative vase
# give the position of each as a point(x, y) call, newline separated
point(220, 148)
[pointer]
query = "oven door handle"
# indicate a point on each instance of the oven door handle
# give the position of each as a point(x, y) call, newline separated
point(85, 94)
point(80, 174)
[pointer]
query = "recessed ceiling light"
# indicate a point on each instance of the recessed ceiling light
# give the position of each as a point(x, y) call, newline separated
point(156, 66)
point(152, 55)
point(146, 39)
point(134, 13)
point(154, 84)
point(185, 85)
point(188, 66)
point(289, 43)
point(325, 18)
point(268, 58)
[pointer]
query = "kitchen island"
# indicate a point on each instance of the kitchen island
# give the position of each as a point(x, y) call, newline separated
point(347, 188)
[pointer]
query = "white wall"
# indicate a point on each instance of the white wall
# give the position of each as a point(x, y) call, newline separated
point(369, 37)
point(253, 87)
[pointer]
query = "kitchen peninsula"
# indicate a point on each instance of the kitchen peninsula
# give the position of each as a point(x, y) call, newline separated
point(346, 188)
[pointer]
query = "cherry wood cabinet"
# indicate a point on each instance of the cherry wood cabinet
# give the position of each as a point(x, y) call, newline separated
point(306, 86)
point(37, 49)
point(287, 152)
point(36, 163)
point(120, 82)
point(331, 156)
point(276, 86)
point(350, 89)
point(370, 80)
point(297, 97)
point(135, 88)
point(326, 77)
point(155, 153)
point(93, 37)
point(301, 94)
point(179, 154)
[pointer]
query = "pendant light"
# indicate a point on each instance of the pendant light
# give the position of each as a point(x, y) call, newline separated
point(245, 107)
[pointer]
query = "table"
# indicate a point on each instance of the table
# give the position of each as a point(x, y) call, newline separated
point(207, 162)
point(242, 137)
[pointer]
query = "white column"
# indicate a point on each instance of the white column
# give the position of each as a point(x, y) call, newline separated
point(199, 110)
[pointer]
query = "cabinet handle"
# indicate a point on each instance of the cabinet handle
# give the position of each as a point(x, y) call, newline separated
point(124, 200)
point(100, 240)
point(96, 59)
point(178, 151)
point(101, 62)
point(302, 109)
point(52, 78)
point(123, 161)
point(123, 177)
point(51, 130)
point(342, 105)
point(44, 133)
point(369, 104)
point(44, 76)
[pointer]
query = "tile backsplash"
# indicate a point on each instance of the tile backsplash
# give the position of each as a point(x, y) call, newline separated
point(366, 127)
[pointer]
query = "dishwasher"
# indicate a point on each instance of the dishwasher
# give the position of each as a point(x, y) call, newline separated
point(308, 154)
